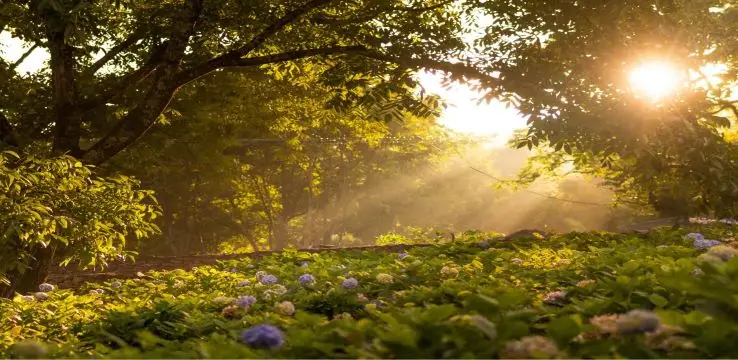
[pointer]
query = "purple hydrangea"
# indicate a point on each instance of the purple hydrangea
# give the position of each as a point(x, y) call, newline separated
point(637, 321)
point(694, 236)
point(402, 256)
point(245, 301)
point(306, 280)
point(263, 336)
point(45, 287)
point(350, 283)
point(268, 280)
point(704, 244)
point(243, 283)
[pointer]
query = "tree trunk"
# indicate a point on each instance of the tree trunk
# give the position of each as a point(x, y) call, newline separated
point(281, 233)
point(36, 274)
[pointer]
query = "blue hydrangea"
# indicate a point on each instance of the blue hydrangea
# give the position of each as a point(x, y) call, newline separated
point(260, 274)
point(45, 287)
point(245, 301)
point(637, 321)
point(350, 283)
point(263, 336)
point(243, 283)
point(268, 280)
point(306, 280)
point(704, 244)
point(694, 236)
point(402, 256)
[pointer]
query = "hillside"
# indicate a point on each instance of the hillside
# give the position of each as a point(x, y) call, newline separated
point(661, 294)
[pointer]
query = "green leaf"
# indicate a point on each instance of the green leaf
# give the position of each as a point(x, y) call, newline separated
point(658, 300)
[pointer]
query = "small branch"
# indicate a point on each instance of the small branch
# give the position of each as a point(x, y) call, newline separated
point(23, 57)
point(195, 73)
point(117, 49)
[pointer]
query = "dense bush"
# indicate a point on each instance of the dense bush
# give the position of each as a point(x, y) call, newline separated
point(587, 295)
point(58, 204)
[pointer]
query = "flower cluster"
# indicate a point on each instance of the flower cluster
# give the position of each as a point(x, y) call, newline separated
point(694, 236)
point(637, 321)
point(722, 252)
point(243, 283)
point(45, 287)
point(263, 336)
point(285, 308)
point(530, 347)
point(350, 283)
point(268, 280)
point(306, 280)
point(245, 301)
point(554, 297)
point(585, 283)
point(704, 244)
point(448, 271)
point(385, 278)
point(116, 284)
point(41, 296)
point(516, 261)
point(402, 256)
point(230, 311)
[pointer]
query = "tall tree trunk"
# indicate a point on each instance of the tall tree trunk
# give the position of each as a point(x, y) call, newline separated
point(281, 233)
point(36, 274)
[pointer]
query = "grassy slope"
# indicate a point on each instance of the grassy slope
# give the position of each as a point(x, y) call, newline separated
point(481, 302)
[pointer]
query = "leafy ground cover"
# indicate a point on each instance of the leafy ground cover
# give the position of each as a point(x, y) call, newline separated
point(664, 294)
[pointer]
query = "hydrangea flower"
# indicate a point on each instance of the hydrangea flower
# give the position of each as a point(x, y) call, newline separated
point(723, 252)
point(402, 256)
point(530, 347)
point(605, 324)
point(484, 244)
point(306, 280)
point(696, 272)
point(708, 258)
point(45, 287)
point(385, 278)
point(343, 316)
point(41, 296)
point(245, 301)
point(729, 221)
point(116, 284)
point(637, 321)
point(230, 311)
point(339, 267)
point(178, 284)
point(94, 292)
point(350, 283)
point(704, 244)
point(304, 264)
point(243, 283)
point(286, 308)
point(279, 289)
point(694, 236)
point(260, 274)
point(585, 283)
point(516, 261)
point(263, 336)
point(27, 298)
point(554, 297)
point(449, 271)
point(233, 270)
point(361, 298)
point(701, 220)
point(268, 280)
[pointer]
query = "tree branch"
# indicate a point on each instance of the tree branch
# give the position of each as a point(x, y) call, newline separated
point(117, 49)
point(374, 14)
point(234, 55)
point(23, 57)
point(195, 73)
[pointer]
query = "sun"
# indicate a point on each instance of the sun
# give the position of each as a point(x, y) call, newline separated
point(655, 79)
